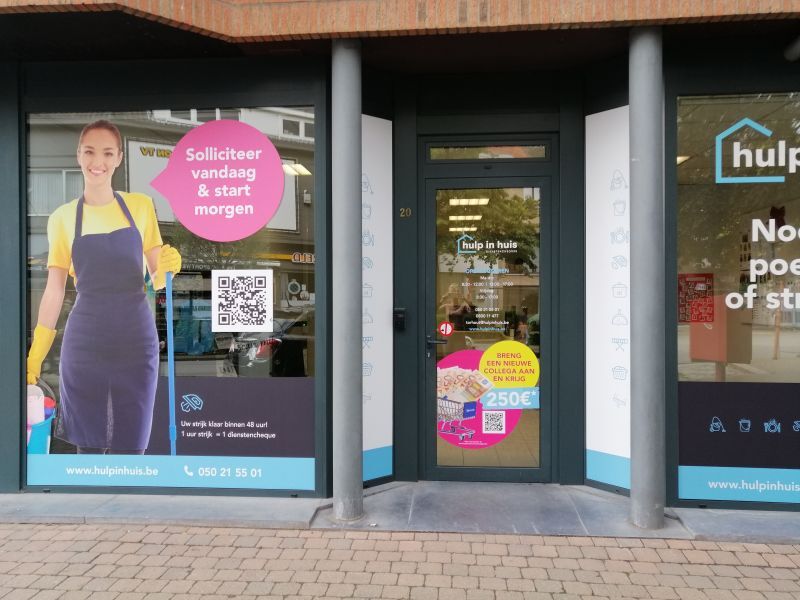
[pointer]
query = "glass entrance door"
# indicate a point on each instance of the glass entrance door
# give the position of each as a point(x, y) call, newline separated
point(487, 410)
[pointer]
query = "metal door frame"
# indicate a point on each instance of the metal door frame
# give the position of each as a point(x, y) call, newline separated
point(477, 174)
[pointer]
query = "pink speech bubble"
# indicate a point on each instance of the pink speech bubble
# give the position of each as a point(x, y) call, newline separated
point(224, 180)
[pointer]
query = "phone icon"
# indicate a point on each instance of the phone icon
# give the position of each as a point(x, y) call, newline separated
point(187, 471)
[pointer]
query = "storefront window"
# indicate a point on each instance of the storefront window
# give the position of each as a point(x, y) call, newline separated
point(738, 291)
point(240, 392)
point(720, 208)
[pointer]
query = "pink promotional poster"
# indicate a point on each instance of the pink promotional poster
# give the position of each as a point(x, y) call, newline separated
point(480, 395)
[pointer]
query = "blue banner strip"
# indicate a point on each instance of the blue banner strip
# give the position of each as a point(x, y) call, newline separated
point(608, 468)
point(739, 483)
point(377, 463)
point(114, 470)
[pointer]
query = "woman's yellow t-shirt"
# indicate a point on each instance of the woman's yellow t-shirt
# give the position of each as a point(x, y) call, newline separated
point(99, 219)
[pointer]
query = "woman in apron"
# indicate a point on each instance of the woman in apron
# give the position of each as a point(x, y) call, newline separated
point(109, 355)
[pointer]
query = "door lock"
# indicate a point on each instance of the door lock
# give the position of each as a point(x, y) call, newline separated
point(399, 318)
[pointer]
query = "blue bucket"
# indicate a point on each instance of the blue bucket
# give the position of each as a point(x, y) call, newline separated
point(39, 442)
point(39, 439)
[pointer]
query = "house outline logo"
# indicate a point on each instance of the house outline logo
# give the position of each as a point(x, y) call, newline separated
point(746, 122)
point(460, 244)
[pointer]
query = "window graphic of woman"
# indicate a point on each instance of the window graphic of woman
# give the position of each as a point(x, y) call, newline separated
point(109, 356)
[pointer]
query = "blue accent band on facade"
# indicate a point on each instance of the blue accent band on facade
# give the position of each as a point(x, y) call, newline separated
point(235, 472)
point(739, 484)
point(377, 463)
point(608, 468)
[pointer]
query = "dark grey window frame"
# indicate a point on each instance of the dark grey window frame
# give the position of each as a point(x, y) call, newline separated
point(142, 85)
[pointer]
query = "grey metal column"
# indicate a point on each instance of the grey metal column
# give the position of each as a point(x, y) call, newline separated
point(348, 491)
point(648, 455)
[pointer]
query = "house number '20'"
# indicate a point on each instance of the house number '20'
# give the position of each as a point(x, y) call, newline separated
point(405, 213)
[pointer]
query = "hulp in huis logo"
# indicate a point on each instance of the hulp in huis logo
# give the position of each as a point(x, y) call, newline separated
point(466, 244)
point(779, 155)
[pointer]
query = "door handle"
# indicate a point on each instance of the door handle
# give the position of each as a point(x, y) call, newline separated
point(430, 342)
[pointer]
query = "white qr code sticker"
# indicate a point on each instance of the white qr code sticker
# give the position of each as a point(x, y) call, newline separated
point(494, 421)
point(241, 300)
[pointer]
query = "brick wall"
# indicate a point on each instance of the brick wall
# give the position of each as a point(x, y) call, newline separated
point(264, 20)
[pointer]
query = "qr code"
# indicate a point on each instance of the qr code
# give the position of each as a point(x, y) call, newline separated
point(241, 300)
point(494, 421)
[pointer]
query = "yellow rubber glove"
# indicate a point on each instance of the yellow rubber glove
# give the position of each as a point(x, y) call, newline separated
point(40, 346)
point(169, 260)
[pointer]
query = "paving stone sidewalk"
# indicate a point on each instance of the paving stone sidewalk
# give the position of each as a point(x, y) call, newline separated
point(155, 562)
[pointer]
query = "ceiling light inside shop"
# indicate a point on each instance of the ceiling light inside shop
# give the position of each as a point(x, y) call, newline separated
point(469, 201)
point(466, 217)
point(683, 159)
point(295, 169)
point(463, 229)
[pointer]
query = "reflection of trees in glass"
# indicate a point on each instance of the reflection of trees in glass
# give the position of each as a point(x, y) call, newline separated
point(507, 217)
point(713, 218)
point(713, 224)
point(202, 254)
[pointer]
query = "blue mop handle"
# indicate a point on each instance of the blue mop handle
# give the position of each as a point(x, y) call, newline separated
point(173, 431)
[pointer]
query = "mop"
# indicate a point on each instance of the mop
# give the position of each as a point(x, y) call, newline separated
point(173, 431)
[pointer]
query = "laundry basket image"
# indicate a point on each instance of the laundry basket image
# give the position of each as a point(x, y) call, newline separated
point(41, 409)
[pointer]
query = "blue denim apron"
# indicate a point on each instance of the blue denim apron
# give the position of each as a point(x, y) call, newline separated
point(109, 356)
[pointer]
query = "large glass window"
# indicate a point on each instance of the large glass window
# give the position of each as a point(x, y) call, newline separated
point(738, 297)
point(735, 179)
point(238, 393)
